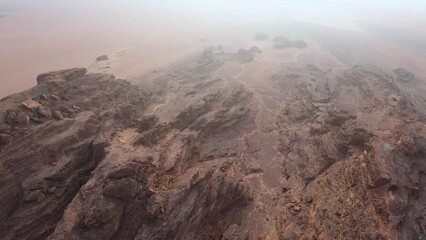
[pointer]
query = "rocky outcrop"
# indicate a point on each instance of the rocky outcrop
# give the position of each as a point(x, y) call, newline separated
point(281, 42)
point(102, 58)
point(64, 75)
point(207, 156)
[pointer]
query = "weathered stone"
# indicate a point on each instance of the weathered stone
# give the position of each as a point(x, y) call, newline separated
point(30, 104)
point(57, 115)
point(22, 118)
point(44, 112)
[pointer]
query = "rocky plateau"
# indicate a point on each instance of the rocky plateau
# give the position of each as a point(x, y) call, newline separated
point(211, 149)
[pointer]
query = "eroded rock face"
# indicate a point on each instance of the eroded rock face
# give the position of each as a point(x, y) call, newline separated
point(205, 155)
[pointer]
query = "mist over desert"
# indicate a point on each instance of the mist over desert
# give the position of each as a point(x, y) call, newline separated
point(141, 36)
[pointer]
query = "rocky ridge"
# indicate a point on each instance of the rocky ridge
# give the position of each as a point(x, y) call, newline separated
point(202, 155)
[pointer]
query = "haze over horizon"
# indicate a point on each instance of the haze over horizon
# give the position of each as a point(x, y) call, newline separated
point(77, 31)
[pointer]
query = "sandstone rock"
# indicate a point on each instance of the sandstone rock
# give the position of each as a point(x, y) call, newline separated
point(30, 104)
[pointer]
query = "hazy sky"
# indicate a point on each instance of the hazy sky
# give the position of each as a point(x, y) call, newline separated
point(292, 8)
point(340, 13)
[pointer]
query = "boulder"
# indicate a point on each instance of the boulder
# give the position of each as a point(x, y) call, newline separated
point(44, 112)
point(30, 104)
point(22, 118)
point(57, 115)
point(102, 58)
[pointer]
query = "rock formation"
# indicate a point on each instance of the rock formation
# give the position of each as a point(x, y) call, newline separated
point(281, 42)
point(203, 156)
point(102, 58)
